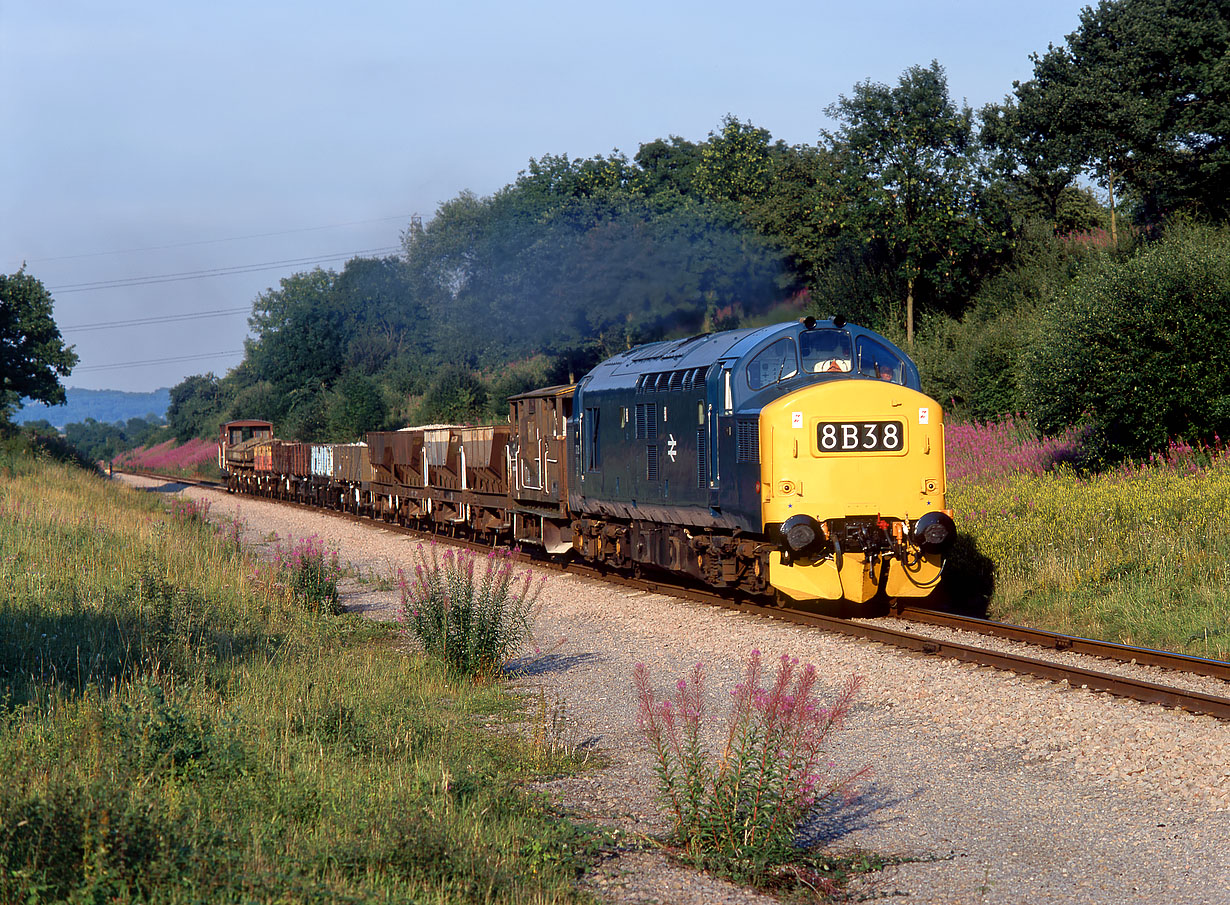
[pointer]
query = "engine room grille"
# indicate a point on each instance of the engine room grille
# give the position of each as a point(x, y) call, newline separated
point(646, 421)
point(702, 460)
point(747, 440)
point(651, 462)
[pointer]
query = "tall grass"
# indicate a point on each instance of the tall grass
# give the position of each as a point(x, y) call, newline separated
point(1138, 554)
point(176, 727)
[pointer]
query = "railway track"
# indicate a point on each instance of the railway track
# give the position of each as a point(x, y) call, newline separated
point(1075, 675)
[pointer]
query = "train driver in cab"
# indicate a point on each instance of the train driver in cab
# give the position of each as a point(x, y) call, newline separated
point(826, 351)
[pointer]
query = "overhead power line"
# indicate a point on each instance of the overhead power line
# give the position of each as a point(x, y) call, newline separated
point(157, 361)
point(161, 319)
point(283, 232)
point(217, 272)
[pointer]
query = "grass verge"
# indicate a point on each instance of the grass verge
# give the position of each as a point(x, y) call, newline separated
point(1138, 554)
point(176, 725)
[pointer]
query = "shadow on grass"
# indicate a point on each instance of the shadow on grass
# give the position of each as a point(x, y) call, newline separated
point(968, 582)
point(70, 652)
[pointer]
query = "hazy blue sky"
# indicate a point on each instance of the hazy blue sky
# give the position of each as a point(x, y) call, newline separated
point(144, 138)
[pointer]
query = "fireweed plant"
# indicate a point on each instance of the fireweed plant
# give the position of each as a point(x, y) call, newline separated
point(312, 573)
point(469, 610)
point(186, 511)
point(190, 458)
point(747, 805)
point(1136, 554)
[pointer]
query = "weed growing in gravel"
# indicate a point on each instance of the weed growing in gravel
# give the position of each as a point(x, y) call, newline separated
point(552, 736)
point(313, 573)
point(473, 619)
point(744, 808)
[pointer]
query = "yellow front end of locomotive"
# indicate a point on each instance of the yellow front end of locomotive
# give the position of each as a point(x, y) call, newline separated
point(863, 452)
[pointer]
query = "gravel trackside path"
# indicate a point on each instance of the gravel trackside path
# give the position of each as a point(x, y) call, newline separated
point(996, 788)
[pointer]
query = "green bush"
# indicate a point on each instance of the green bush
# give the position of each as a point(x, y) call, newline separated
point(969, 366)
point(1141, 349)
point(354, 406)
point(456, 395)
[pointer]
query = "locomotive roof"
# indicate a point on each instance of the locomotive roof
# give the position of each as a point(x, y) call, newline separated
point(692, 352)
point(690, 359)
point(680, 354)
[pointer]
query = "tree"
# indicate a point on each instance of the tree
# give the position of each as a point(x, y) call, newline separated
point(735, 163)
point(299, 339)
point(577, 249)
point(379, 314)
point(32, 352)
point(665, 168)
point(1024, 156)
point(455, 396)
point(910, 178)
point(197, 407)
point(803, 213)
point(354, 407)
point(1139, 96)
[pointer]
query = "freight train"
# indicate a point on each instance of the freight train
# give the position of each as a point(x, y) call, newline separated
point(800, 458)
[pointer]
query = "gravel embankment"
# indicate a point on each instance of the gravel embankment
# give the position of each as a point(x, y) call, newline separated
point(1000, 788)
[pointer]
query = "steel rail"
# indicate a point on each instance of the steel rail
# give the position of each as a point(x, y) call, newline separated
point(1120, 686)
point(1074, 676)
point(1106, 650)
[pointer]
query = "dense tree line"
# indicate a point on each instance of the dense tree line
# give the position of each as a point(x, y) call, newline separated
point(984, 240)
point(97, 441)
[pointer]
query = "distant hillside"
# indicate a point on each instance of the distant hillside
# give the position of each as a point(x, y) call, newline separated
point(105, 406)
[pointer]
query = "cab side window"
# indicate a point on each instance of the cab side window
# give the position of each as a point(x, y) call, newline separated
point(875, 360)
point(774, 363)
point(593, 446)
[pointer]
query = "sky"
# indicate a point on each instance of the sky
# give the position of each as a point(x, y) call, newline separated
point(163, 164)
